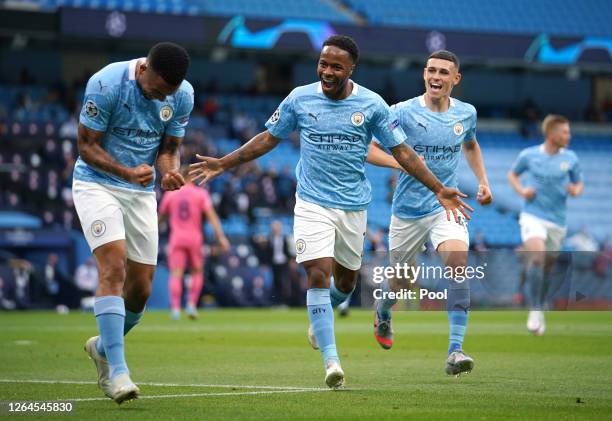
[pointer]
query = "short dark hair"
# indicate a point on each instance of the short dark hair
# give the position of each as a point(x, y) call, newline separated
point(445, 55)
point(170, 61)
point(344, 43)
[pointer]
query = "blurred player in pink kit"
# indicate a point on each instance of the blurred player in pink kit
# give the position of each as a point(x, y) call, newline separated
point(185, 209)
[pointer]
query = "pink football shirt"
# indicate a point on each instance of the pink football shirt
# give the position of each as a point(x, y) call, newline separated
point(184, 208)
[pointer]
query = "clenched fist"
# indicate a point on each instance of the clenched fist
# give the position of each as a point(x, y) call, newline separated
point(172, 180)
point(142, 174)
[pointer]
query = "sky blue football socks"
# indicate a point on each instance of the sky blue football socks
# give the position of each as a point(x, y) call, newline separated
point(321, 315)
point(110, 316)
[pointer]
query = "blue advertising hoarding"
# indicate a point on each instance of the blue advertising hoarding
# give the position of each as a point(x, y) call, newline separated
point(308, 35)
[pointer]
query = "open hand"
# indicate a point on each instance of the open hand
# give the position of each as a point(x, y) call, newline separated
point(450, 199)
point(205, 170)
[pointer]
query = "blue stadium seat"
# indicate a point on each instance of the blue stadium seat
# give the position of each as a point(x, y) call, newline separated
point(553, 17)
point(267, 9)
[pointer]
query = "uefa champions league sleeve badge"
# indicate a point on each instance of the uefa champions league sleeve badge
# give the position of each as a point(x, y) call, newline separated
point(91, 109)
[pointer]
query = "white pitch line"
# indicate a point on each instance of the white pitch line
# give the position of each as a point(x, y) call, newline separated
point(223, 386)
point(235, 386)
point(45, 381)
point(197, 395)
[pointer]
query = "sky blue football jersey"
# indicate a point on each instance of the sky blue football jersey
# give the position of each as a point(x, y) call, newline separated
point(133, 125)
point(549, 176)
point(438, 137)
point(334, 140)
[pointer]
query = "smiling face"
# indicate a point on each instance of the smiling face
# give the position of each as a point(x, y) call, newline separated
point(334, 69)
point(440, 77)
point(152, 85)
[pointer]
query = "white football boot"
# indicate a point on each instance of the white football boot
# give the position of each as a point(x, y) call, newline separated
point(334, 376)
point(123, 388)
point(312, 339)
point(101, 365)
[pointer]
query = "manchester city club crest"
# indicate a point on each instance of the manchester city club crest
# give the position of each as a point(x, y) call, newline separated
point(357, 118)
point(165, 113)
point(458, 128)
point(98, 228)
point(564, 166)
point(300, 246)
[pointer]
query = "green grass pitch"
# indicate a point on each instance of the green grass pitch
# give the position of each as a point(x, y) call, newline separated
point(257, 364)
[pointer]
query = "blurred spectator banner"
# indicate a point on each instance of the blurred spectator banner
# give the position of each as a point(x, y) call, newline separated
point(35, 238)
point(133, 26)
point(308, 35)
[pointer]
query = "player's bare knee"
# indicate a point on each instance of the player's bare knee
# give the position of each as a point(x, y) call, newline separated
point(536, 262)
point(139, 286)
point(397, 284)
point(112, 273)
point(139, 297)
point(346, 281)
point(536, 258)
point(317, 277)
point(457, 264)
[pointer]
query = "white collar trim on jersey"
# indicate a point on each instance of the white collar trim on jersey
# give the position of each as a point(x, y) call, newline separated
point(355, 90)
point(132, 68)
point(422, 101)
point(561, 150)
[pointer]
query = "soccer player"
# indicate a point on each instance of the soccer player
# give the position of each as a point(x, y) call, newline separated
point(336, 119)
point(553, 172)
point(133, 117)
point(185, 208)
point(438, 128)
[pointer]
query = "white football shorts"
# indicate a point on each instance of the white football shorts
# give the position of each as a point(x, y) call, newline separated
point(407, 236)
point(551, 233)
point(326, 232)
point(109, 213)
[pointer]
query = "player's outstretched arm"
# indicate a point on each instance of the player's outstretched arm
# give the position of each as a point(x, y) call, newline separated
point(169, 163)
point(380, 158)
point(208, 168)
point(212, 217)
point(89, 143)
point(449, 198)
point(473, 155)
point(515, 182)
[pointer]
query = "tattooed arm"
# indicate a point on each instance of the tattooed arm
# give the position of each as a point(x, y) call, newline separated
point(169, 163)
point(89, 143)
point(449, 198)
point(209, 168)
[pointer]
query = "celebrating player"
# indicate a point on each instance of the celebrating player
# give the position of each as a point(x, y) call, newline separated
point(134, 116)
point(336, 119)
point(186, 208)
point(553, 172)
point(438, 127)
